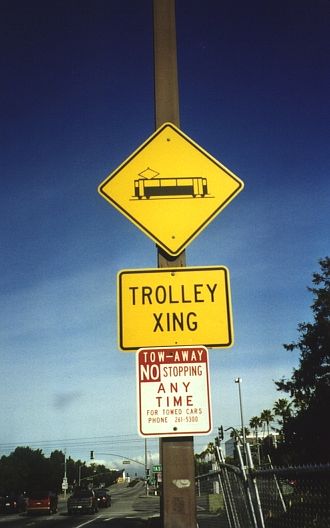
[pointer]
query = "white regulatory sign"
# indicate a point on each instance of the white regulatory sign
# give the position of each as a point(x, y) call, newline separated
point(173, 391)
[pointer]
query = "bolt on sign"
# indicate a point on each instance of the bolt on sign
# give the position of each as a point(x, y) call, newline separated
point(171, 306)
point(170, 188)
point(173, 391)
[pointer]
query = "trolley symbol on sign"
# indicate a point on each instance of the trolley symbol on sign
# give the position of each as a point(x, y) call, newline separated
point(169, 187)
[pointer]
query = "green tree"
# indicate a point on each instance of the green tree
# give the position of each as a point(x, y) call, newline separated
point(282, 408)
point(255, 423)
point(102, 475)
point(202, 460)
point(307, 432)
point(266, 417)
point(56, 470)
point(23, 470)
point(237, 434)
point(27, 469)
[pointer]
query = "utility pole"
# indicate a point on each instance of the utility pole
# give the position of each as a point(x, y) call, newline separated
point(178, 500)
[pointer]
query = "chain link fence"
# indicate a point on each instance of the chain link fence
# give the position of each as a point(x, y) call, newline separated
point(296, 497)
point(233, 497)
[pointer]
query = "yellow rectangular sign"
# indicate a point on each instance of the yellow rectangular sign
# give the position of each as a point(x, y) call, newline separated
point(174, 306)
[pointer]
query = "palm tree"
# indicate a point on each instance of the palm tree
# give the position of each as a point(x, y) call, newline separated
point(282, 408)
point(234, 433)
point(209, 450)
point(266, 417)
point(255, 423)
point(202, 459)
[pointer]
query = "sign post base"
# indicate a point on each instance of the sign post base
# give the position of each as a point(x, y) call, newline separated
point(178, 498)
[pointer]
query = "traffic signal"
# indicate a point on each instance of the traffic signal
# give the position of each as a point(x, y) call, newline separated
point(220, 432)
point(92, 455)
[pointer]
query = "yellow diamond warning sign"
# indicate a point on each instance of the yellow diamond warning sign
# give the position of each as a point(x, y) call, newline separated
point(172, 306)
point(170, 188)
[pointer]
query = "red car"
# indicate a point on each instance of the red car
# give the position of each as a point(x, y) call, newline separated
point(42, 502)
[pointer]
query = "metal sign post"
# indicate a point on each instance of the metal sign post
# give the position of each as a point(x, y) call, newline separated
point(178, 502)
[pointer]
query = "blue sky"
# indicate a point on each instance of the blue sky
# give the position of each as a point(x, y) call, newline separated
point(76, 101)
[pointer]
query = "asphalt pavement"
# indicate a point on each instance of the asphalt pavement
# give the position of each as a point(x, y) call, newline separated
point(131, 508)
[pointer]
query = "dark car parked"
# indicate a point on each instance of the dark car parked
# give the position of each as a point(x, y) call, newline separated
point(103, 498)
point(42, 502)
point(13, 503)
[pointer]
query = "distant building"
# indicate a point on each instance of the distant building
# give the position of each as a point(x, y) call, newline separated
point(123, 477)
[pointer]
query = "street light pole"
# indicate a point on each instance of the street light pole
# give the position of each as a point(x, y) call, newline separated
point(65, 480)
point(239, 381)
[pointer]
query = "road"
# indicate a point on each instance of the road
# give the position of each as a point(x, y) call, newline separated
point(130, 508)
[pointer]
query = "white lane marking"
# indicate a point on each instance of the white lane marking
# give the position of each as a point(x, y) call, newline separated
point(88, 522)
